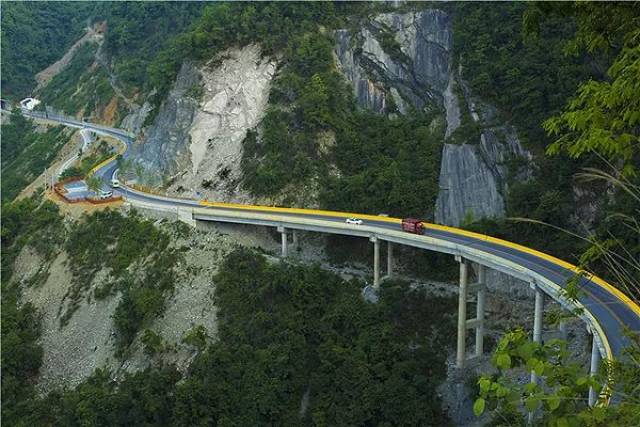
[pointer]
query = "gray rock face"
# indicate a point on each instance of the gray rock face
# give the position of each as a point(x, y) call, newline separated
point(406, 57)
point(163, 150)
point(473, 177)
point(452, 109)
point(195, 144)
point(134, 121)
point(234, 99)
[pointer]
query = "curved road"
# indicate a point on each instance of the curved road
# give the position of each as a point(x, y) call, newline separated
point(607, 311)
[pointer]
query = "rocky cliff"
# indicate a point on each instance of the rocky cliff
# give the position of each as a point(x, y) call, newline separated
point(403, 61)
point(195, 143)
point(474, 175)
point(398, 60)
point(163, 150)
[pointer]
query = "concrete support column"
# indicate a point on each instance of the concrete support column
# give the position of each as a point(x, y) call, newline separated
point(537, 324)
point(296, 245)
point(595, 364)
point(462, 313)
point(480, 297)
point(376, 262)
point(285, 243)
point(389, 259)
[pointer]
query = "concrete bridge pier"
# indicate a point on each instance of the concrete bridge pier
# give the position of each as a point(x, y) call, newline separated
point(595, 364)
point(477, 323)
point(389, 259)
point(462, 312)
point(480, 300)
point(186, 215)
point(537, 322)
point(285, 242)
point(376, 262)
point(296, 243)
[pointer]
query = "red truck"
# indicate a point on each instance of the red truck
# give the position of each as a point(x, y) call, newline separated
point(412, 225)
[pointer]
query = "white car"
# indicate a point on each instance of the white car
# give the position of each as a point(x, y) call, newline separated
point(105, 194)
point(354, 221)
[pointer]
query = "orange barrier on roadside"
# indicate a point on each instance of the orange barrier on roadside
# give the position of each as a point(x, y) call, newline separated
point(103, 201)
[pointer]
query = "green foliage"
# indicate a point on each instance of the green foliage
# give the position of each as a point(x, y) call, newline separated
point(143, 398)
point(285, 331)
point(152, 342)
point(80, 87)
point(101, 153)
point(310, 99)
point(391, 46)
point(34, 36)
point(29, 222)
point(71, 172)
point(222, 25)
point(375, 155)
point(604, 116)
point(313, 125)
point(107, 240)
point(548, 199)
point(137, 32)
point(93, 183)
point(196, 337)
point(563, 398)
point(387, 165)
point(527, 78)
point(21, 353)
point(26, 153)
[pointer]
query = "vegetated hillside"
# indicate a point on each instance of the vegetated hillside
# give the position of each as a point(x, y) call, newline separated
point(341, 131)
point(26, 152)
point(344, 127)
point(320, 140)
point(295, 339)
point(101, 80)
point(34, 36)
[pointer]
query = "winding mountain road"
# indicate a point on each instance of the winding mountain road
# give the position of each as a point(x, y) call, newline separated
point(606, 310)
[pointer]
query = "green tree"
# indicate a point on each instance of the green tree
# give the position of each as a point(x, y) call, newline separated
point(94, 183)
point(603, 116)
point(562, 400)
point(313, 103)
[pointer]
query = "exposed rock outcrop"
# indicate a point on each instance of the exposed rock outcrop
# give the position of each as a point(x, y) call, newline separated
point(88, 341)
point(403, 57)
point(195, 143)
point(164, 150)
point(451, 107)
point(134, 121)
point(474, 176)
point(404, 60)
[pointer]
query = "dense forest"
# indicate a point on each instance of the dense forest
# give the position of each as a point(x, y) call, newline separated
point(26, 153)
point(297, 344)
point(34, 36)
point(292, 341)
